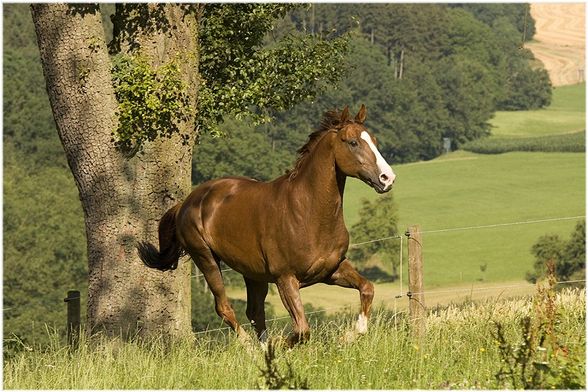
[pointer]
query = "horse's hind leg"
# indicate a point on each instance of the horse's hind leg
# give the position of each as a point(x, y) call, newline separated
point(206, 263)
point(347, 276)
point(256, 293)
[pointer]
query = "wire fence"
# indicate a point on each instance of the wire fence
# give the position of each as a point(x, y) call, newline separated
point(501, 224)
point(402, 293)
point(270, 320)
point(408, 294)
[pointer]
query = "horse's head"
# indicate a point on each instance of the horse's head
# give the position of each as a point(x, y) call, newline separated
point(357, 155)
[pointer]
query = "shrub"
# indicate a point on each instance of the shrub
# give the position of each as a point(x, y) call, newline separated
point(378, 220)
point(569, 256)
point(539, 359)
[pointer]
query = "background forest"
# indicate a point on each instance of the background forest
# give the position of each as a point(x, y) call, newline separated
point(424, 72)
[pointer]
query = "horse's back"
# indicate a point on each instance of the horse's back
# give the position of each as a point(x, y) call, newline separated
point(228, 197)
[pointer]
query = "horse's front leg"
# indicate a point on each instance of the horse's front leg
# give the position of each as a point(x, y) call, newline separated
point(289, 289)
point(347, 276)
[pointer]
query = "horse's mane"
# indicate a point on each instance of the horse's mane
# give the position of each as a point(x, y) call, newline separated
point(331, 120)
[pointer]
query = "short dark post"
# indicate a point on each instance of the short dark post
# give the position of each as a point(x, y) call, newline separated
point(73, 318)
point(416, 305)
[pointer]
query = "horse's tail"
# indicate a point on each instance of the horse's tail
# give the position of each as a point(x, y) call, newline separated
point(170, 249)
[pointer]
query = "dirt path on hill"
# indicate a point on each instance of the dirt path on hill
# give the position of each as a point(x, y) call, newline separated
point(560, 40)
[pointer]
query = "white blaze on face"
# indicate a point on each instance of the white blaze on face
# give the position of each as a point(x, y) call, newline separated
point(386, 176)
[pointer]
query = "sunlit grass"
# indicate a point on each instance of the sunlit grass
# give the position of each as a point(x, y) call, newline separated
point(457, 352)
point(566, 114)
point(466, 189)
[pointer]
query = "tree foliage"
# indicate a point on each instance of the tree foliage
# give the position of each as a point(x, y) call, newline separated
point(152, 100)
point(27, 119)
point(517, 15)
point(458, 68)
point(251, 151)
point(569, 256)
point(529, 88)
point(378, 221)
point(242, 77)
point(44, 251)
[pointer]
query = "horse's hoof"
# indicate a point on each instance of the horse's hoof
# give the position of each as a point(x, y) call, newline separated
point(263, 336)
point(295, 339)
point(291, 341)
point(245, 340)
point(349, 336)
point(361, 326)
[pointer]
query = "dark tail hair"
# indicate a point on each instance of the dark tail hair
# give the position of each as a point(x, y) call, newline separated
point(170, 249)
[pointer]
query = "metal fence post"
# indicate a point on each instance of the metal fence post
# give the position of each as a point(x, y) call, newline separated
point(416, 305)
point(73, 318)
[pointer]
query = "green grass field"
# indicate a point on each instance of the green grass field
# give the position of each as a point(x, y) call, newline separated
point(465, 189)
point(458, 352)
point(566, 114)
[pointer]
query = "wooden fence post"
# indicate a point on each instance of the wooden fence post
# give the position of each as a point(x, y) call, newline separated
point(416, 297)
point(73, 318)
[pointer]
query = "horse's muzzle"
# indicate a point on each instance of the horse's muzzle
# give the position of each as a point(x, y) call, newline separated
point(378, 186)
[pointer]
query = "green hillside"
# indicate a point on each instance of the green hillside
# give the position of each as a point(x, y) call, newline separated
point(463, 189)
point(566, 114)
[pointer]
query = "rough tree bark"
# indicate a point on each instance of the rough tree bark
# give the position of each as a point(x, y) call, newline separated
point(122, 198)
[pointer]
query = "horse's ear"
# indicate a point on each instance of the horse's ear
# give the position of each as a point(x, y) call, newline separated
point(360, 118)
point(345, 114)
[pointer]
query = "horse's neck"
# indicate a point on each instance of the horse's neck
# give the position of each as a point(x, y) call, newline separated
point(322, 182)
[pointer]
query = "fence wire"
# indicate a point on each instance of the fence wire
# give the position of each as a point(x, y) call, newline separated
point(444, 230)
point(275, 319)
point(403, 294)
point(471, 289)
point(408, 295)
point(501, 225)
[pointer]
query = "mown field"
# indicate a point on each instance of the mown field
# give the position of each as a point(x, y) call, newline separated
point(558, 128)
point(468, 190)
point(459, 351)
point(564, 115)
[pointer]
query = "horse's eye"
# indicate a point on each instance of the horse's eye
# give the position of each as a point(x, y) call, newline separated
point(353, 143)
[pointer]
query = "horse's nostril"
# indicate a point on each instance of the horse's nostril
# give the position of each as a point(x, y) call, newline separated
point(384, 178)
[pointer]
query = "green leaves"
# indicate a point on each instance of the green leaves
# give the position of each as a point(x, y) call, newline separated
point(152, 101)
point(378, 220)
point(569, 256)
point(247, 79)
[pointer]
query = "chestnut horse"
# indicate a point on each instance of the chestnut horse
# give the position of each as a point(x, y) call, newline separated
point(288, 231)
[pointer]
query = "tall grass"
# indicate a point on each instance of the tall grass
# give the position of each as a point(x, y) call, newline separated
point(459, 351)
point(572, 142)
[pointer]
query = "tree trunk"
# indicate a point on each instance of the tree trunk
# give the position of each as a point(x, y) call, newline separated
point(122, 198)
